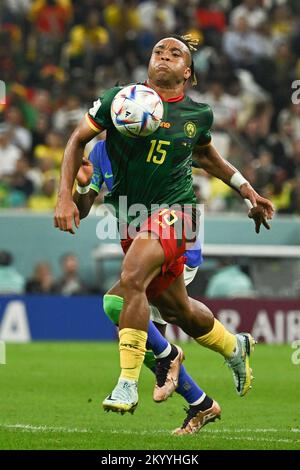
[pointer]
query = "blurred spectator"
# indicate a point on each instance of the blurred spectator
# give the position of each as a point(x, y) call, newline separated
point(42, 281)
point(70, 283)
point(264, 169)
point(210, 16)
point(30, 174)
point(52, 149)
point(283, 22)
point(51, 17)
point(150, 12)
point(89, 43)
point(21, 137)
point(45, 200)
point(11, 282)
point(21, 185)
point(17, 7)
point(40, 130)
point(211, 20)
point(242, 44)
point(292, 115)
point(68, 116)
point(225, 107)
point(253, 138)
point(251, 10)
point(229, 282)
point(281, 193)
point(9, 153)
point(281, 144)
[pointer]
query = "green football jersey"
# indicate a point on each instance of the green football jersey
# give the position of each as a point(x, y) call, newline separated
point(156, 169)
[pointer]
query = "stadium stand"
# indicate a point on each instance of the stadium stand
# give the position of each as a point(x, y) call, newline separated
point(56, 56)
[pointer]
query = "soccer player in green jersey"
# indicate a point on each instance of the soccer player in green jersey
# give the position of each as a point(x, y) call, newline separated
point(157, 170)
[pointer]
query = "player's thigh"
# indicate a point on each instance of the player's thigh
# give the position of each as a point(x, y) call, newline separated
point(142, 262)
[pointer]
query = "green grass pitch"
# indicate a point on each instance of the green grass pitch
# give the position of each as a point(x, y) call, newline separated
point(51, 393)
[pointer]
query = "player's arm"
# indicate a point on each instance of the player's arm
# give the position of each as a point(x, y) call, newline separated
point(211, 161)
point(66, 210)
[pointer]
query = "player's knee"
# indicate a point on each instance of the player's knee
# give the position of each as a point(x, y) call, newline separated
point(112, 306)
point(131, 280)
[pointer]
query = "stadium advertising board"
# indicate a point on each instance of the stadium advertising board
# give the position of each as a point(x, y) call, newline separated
point(29, 318)
point(269, 321)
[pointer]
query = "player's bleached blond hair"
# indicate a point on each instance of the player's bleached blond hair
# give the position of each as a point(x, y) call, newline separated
point(192, 45)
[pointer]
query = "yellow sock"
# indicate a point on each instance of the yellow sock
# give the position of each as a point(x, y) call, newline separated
point(219, 339)
point(132, 345)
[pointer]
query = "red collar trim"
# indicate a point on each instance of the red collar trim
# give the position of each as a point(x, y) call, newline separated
point(170, 100)
point(174, 100)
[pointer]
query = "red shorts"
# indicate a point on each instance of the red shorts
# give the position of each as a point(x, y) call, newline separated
point(170, 227)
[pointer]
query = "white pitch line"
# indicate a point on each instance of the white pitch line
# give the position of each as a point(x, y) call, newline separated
point(207, 433)
point(254, 430)
point(246, 438)
point(43, 428)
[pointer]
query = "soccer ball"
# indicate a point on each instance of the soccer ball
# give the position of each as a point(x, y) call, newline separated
point(137, 111)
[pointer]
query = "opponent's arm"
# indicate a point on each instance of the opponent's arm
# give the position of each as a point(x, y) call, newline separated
point(211, 161)
point(84, 196)
point(66, 210)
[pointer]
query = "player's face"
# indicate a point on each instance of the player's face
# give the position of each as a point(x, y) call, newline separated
point(169, 62)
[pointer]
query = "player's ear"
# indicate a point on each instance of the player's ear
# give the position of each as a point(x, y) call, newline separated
point(187, 73)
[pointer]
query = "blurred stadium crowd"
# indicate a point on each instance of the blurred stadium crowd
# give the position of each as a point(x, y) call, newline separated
point(229, 281)
point(42, 280)
point(57, 56)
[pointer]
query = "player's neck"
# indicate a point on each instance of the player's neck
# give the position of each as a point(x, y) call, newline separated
point(166, 92)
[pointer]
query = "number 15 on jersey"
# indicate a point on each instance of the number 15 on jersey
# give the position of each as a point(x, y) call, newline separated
point(157, 154)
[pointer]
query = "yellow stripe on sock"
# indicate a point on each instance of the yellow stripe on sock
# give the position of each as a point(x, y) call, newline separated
point(219, 339)
point(132, 346)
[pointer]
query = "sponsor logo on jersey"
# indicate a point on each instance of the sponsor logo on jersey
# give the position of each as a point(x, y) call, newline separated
point(165, 125)
point(190, 129)
point(96, 105)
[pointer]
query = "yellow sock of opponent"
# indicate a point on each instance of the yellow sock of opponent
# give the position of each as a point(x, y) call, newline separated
point(219, 339)
point(132, 346)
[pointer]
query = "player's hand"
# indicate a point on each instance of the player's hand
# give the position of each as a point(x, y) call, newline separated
point(66, 213)
point(85, 172)
point(247, 192)
point(259, 216)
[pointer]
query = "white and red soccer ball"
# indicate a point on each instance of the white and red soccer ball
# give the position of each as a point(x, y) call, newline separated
point(137, 111)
